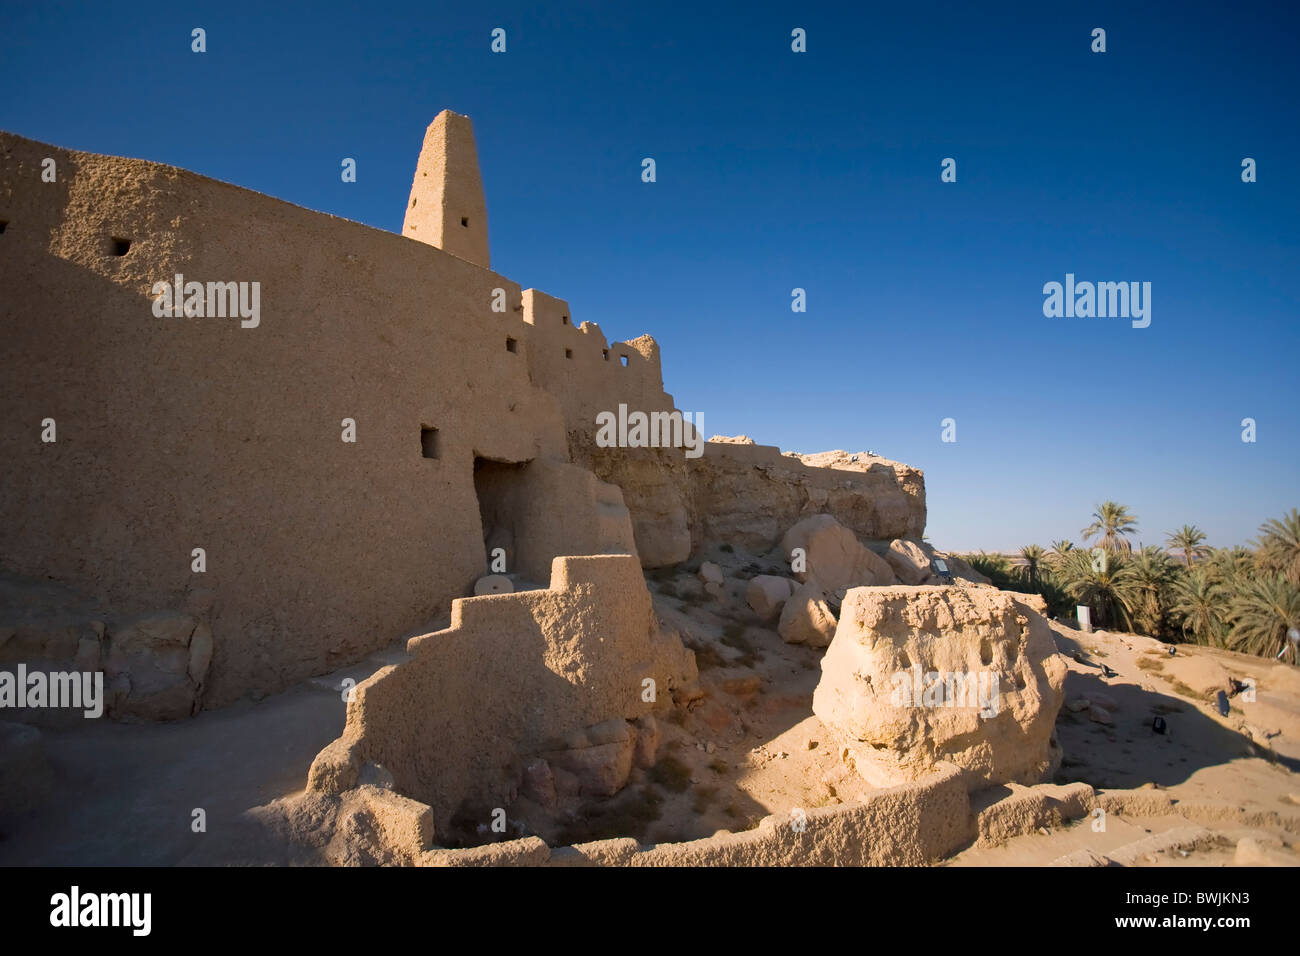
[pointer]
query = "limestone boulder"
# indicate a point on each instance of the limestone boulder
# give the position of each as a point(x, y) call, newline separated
point(163, 660)
point(600, 757)
point(808, 617)
point(919, 675)
point(834, 555)
point(710, 573)
point(910, 560)
point(766, 594)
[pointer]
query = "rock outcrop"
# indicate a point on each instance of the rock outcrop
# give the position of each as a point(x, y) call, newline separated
point(919, 675)
point(835, 558)
point(766, 594)
point(910, 561)
point(808, 617)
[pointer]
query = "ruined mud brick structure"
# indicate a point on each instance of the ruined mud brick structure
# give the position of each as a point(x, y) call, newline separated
point(474, 404)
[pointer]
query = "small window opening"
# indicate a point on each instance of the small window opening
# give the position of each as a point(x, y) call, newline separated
point(568, 353)
point(512, 345)
point(605, 353)
point(412, 202)
point(564, 320)
point(119, 247)
point(3, 223)
point(623, 359)
point(464, 221)
point(429, 442)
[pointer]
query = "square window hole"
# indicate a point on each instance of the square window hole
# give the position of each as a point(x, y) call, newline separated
point(568, 353)
point(605, 352)
point(429, 442)
point(623, 359)
point(118, 246)
point(464, 221)
point(564, 320)
point(3, 223)
point(512, 345)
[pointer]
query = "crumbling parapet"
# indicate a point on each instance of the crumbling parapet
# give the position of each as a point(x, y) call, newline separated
point(510, 678)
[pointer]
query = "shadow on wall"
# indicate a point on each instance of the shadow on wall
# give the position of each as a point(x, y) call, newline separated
point(502, 489)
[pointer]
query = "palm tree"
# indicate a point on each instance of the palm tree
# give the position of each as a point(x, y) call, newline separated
point(1104, 585)
point(1112, 521)
point(1187, 539)
point(1152, 579)
point(1033, 556)
point(1264, 611)
point(1199, 600)
point(1229, 568)
point(1059, 548)
point(1279, 546)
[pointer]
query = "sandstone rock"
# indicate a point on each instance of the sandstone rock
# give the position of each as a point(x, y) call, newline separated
point(807, 617)
point(710, 573)
point(155, 653)
point(604, 764)
point(991, 710)
point(1099, 715)
point(493, 584)
point(767, 593)
point(835, 557)
point(909, 560)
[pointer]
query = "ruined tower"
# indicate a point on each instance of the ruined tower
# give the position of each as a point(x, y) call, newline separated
point(447, 208)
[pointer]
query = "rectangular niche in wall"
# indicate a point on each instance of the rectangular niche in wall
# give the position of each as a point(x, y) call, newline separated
point(428, 441)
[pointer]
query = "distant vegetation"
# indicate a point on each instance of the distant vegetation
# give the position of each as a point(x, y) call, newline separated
point(1241, 599)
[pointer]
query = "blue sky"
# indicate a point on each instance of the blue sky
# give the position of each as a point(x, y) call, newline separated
point(818, 170)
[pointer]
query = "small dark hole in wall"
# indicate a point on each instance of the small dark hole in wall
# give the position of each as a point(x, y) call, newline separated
point(564, 320)
point(412, 202)
point(119, 247)
point(605, 352)
point(464, 221)
point(623, 359)
point(3, 223)
point(568, 353)
point(429, 442)
point(512, 345)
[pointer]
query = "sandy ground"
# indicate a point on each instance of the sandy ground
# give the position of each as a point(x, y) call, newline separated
point(748, 748)
point(1248, 760)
